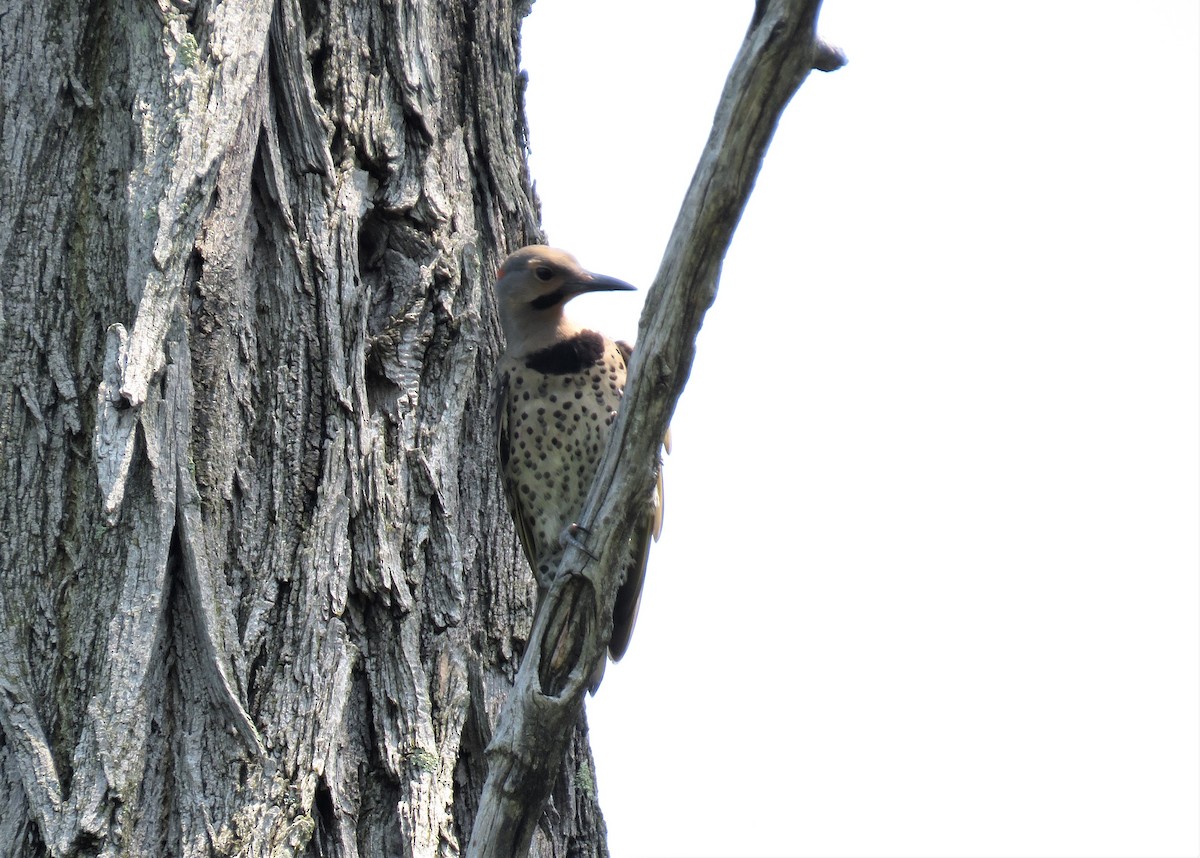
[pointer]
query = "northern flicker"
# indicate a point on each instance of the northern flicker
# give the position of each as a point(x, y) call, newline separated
point(558, 389)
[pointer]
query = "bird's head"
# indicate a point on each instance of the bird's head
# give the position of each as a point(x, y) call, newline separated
point(532, 286)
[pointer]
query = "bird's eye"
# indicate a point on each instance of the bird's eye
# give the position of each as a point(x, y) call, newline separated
point(543, 273)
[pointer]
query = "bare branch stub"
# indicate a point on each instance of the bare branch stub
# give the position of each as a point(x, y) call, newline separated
point(779, 51)
point(829, 58)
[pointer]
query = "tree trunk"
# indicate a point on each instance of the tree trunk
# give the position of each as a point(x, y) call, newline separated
point(259, 592)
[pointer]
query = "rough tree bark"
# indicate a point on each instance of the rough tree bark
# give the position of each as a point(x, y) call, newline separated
point(259, 593)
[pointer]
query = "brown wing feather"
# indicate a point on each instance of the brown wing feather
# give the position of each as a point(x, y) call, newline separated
point(629, 596)
point(647, 529)
point(504, 450)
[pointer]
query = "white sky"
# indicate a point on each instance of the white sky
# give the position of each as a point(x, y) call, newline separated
point(929, 580)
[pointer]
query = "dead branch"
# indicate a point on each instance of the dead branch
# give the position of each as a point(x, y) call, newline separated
point(779, 51)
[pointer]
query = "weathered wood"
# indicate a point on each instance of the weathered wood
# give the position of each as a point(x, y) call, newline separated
point(779, 51)
point(259, 594)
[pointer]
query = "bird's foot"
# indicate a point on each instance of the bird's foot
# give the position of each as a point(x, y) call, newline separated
point(572, 535)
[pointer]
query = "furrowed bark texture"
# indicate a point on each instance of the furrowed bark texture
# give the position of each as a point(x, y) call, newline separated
point(259, 593)
point(779, 51)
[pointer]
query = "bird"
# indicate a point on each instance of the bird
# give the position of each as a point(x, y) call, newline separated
point(557, 392)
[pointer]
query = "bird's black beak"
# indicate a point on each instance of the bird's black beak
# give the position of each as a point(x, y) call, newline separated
point(598, 283)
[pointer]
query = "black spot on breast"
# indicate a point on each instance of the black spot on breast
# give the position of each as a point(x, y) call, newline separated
point(569, 356)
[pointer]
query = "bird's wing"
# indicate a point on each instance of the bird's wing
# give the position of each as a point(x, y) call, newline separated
point(520, 516)
point(646, 529)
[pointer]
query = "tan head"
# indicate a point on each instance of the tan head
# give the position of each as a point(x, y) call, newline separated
point(532, 286)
